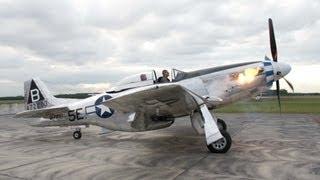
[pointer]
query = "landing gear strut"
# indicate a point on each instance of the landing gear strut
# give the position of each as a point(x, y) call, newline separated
point(77, 133)
point(217, 138)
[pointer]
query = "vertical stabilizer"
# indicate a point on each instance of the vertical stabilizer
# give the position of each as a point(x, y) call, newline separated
point(37, 95)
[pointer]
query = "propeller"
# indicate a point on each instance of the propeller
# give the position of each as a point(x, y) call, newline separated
point(274, 53)
point(273, 44)
point(289, 84)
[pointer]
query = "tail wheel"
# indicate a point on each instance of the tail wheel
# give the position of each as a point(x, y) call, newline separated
point(221, 124)
point(77, 134)
point(222, 145)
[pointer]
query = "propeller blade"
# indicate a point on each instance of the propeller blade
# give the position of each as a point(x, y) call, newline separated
point(273, 44)
point(289, 83)
point(278, 94)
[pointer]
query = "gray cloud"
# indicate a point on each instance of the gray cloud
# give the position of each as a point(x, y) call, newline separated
point(88, 42)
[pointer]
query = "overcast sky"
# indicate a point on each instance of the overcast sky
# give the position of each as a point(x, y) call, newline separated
point(86, 46)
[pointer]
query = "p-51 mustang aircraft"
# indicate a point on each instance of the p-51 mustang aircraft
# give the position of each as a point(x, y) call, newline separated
point(140, 103)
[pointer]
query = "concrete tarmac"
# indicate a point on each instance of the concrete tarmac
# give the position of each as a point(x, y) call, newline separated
point(265, 146)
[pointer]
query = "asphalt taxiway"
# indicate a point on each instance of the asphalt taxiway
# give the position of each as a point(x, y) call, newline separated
point(265, 146)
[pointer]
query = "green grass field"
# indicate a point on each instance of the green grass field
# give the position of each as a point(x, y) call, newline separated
point(289, 104)
point(10, 101)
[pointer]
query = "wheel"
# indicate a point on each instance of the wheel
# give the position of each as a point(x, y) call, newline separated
point(77, 135)
point(222, 145)
point(221, 124)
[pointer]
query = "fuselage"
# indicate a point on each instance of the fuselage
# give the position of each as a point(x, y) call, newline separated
point(218, 86)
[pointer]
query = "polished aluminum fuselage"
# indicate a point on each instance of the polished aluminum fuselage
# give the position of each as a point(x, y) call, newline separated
point(217, 87)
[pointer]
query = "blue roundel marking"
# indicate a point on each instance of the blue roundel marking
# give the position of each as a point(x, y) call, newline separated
point(102, 110)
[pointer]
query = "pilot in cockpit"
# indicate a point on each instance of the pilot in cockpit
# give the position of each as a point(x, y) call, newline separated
point(143, 77)
point(164, 78)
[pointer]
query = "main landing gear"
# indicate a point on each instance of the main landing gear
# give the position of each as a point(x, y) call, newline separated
point(77, 133)
point(222, 145)
point(217, 138)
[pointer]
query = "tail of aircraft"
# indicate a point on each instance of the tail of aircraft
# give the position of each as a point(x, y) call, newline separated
point(37, 95)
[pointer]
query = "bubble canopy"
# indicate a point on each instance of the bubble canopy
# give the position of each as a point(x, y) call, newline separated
point(144, 79)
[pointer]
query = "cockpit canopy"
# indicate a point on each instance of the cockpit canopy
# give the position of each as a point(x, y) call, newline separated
point(145, 79)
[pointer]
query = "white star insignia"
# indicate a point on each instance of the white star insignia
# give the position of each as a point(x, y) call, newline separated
point(103, 109)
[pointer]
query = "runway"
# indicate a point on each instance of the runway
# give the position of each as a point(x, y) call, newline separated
point(265, 146)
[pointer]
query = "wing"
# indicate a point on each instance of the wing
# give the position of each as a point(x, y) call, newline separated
point(161, 100)
point(155, 106)
point(48, 113)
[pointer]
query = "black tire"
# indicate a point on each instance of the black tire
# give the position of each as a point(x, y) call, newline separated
point(77, 135)
point(221, 124)
point(222, 145)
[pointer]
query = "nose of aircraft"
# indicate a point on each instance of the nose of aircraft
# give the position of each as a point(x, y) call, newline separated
point(282, 69)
